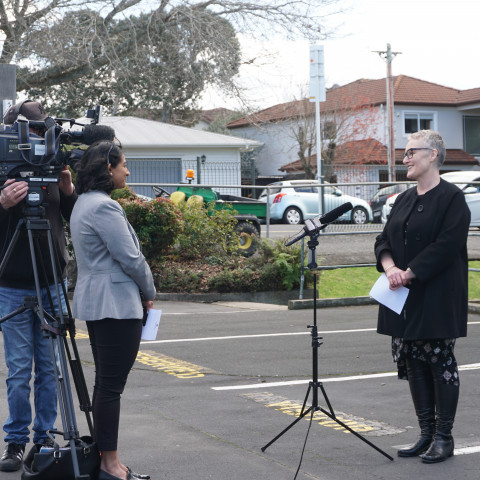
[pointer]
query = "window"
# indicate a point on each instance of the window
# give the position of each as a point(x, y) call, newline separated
point(471, 134)
point(415, 121)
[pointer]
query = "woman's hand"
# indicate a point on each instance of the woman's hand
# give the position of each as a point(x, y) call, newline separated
point(148, 304)
point(398, 277)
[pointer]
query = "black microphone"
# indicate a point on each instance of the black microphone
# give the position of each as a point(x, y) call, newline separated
point(88, 135)
point(92, 133)
point(316, 224)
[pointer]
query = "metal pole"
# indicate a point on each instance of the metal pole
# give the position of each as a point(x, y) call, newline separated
point(8, 92)
point(319, 157)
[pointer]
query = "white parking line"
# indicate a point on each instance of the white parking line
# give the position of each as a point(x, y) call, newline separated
point(472, 366)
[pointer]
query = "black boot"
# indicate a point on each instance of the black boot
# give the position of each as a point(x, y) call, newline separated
point(446, 400)
point(423, 396)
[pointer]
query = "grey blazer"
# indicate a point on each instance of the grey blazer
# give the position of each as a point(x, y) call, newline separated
point(111, 266)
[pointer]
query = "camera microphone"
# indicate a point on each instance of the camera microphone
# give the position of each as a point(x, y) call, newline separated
point(93, 133)
point(316, 224)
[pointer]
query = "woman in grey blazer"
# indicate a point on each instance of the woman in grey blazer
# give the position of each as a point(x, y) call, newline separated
point(113, 278)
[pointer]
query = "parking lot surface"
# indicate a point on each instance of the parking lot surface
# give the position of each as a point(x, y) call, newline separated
point(223, 379)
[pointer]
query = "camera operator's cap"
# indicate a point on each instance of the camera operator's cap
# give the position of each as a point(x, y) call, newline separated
point(28, 108)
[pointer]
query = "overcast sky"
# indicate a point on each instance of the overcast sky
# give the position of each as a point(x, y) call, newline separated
point(439, 41)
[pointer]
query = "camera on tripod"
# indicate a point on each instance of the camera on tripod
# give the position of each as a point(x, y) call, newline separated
point(28, 156)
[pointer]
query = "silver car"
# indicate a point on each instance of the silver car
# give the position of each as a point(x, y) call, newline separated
point(294, 201)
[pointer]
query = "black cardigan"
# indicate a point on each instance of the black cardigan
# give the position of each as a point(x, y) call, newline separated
point(428, 233)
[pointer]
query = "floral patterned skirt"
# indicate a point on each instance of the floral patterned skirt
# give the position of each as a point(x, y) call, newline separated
point(431, 351)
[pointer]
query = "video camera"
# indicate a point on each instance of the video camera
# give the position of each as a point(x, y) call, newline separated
point(38, 160)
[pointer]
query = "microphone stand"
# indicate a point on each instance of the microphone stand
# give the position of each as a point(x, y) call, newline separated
point(314, 385)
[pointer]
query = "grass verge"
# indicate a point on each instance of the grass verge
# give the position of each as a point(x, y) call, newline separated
point(357, 282)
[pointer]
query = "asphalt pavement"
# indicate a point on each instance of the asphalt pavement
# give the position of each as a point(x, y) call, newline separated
point(223, 379)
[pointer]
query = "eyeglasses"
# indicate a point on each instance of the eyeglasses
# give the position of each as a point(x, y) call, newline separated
point(411, 151)
point(110, 149)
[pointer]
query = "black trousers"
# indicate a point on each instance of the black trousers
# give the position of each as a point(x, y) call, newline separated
point(115, 345)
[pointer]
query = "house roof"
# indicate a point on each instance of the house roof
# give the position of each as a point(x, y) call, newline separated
point(209, 116)
point(406, 91)
point(139, 132)
point(371, 152)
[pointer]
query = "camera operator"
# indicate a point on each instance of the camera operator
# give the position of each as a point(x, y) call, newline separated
point(24, 342)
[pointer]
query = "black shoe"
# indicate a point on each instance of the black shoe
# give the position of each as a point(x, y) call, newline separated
point(135, 475)
point(420, 446)
point(441, 448)
point(46, 442)
point(11, 460)
point(103, 475)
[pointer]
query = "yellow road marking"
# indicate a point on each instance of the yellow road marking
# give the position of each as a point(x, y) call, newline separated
point(172, 366)
point(293, 408)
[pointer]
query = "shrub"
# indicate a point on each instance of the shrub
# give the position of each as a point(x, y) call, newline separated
point(157, 224)
point(206, 232)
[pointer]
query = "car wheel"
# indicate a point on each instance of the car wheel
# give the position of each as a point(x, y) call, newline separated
point(359, 216)
point(292, 216)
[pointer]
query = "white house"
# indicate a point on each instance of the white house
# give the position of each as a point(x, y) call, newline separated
point(162, 153)
point(360, 107)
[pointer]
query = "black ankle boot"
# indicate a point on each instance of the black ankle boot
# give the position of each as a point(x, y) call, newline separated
point(420, 446)
point(441, 448)
point(421, 388)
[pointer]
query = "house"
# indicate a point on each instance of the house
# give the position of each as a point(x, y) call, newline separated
point(162, 153)
point(207, 117)
point(354, 121)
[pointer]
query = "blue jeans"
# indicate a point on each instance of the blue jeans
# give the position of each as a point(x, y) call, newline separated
point(24, 343)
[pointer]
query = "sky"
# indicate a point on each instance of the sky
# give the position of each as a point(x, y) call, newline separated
point(439, 41)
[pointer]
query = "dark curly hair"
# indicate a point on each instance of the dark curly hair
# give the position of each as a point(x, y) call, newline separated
point(92, 169)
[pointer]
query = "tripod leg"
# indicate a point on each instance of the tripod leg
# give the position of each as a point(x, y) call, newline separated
point(303, 413)
point(361, 437)
point(57, 347)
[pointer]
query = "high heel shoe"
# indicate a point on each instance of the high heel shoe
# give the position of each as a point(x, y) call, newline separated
point(103, 475)
point(136, 475)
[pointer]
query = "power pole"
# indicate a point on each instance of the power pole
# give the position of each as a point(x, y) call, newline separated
point(8, 92)
point(388, 56)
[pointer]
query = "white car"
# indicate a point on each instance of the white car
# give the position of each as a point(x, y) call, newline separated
point(294, 201)
point(463, 179)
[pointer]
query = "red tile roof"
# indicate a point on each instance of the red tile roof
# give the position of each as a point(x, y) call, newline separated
point(363, 92)
point(372, 152)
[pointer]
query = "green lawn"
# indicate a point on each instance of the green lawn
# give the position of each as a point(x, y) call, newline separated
point(355, 282)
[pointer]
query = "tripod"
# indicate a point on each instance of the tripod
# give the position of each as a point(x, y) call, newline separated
point(54, 327)
point(314, 384)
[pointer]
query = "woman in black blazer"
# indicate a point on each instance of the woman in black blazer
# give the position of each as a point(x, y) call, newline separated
point(424, 247)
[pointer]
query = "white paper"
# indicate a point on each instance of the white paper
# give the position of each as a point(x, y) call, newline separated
point(393, 299)
point(150, 329)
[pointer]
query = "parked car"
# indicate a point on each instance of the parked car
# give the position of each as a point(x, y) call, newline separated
point(294, 201)
point(463, 180)
point(387, 207)
point(381, 195)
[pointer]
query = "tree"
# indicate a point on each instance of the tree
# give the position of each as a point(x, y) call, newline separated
point(126, 55)
point(343, 118)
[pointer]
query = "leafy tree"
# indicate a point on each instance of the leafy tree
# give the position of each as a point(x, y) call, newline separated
point(129, 54)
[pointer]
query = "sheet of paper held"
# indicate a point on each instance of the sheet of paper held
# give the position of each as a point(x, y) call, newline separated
point(149, 331)
point(393, 299)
